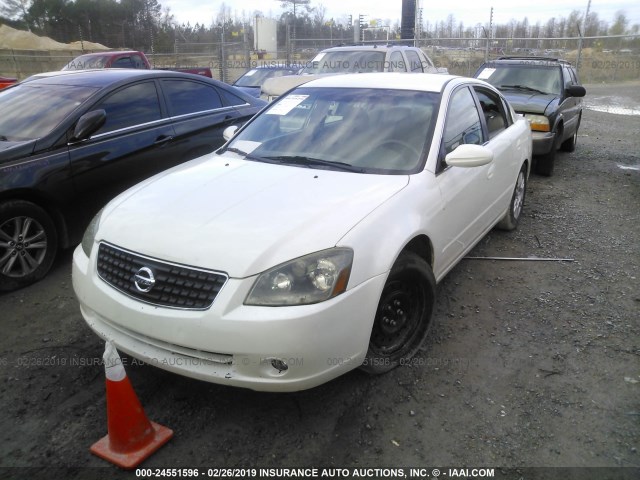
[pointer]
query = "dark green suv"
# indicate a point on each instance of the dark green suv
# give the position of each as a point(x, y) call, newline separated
point(548, 93)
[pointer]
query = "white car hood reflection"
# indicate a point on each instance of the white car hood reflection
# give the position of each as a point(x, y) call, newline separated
point(242, 217)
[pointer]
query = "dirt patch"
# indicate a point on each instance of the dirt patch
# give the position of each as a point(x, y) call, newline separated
point(529, 363)
point(13, 39)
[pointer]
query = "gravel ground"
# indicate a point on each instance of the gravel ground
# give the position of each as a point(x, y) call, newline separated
point(529, 363)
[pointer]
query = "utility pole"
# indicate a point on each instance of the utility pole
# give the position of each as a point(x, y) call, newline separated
point(581, 32)
point(362, 24)
point(223, 60)
point(418, 25)
point(488, 35)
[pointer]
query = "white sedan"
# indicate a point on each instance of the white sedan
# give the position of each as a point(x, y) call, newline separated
point(311, 243)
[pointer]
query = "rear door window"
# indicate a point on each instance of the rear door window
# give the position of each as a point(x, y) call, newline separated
point(415, 65)
point(492, 110)
point(138, 62)
point(396, 62)
point(185, 97)
point(123, 62)
point(230, 99)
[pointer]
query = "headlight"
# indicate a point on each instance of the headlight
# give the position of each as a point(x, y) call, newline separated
point(310, 279)
point(90, 234)
point(539, 123)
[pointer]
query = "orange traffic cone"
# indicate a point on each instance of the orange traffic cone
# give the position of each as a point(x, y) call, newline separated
point(131, 436)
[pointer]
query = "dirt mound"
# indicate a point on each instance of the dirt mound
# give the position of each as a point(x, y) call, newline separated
point(13, 39)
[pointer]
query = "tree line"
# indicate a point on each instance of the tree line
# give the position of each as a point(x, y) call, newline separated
point(147, 25)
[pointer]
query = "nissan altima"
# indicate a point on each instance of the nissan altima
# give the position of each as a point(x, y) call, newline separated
point(311, 243)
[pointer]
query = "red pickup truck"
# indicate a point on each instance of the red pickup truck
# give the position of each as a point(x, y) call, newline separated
point(5, 82)
point(124, 59)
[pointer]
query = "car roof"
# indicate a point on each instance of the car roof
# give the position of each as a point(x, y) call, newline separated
point(106, 53)
point(383, 48)
point(275, 67)
point(109, 52)
point(103, 77)
point(527, 60)
point(428, 82)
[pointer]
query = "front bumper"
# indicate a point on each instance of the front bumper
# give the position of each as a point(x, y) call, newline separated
point(231, 343)
point(543, 142)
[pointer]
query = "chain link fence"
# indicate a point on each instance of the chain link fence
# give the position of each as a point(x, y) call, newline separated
point(599, 59)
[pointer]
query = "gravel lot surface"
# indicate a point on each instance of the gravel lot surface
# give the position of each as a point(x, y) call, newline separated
point(529, 363)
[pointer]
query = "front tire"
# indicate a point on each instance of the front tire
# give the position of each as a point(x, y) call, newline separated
point(403, 316)
point(28, 244)
point(569, 145)
point(511, 218)
point(545, 163)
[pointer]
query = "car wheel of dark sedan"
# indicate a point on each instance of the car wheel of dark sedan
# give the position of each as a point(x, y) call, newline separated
point(511, 218)
point(28, 244)
point(404, 313)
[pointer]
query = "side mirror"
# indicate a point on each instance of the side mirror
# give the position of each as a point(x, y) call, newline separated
point(229, 132)
point(88, 124)
point(575, 91)
point(468, 155)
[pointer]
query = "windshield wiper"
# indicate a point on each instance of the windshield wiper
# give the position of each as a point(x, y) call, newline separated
point(522, 87)
point(241, 152)
point(309, 161)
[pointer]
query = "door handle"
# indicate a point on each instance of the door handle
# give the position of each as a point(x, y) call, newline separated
point(163, 139)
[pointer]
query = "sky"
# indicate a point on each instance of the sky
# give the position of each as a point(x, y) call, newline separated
point(470, 12)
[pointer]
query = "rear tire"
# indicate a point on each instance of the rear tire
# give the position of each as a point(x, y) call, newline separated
point(28, 244)
point(511, 218)
point(404, 314)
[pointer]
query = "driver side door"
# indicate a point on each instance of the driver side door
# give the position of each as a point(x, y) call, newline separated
point(464, 190)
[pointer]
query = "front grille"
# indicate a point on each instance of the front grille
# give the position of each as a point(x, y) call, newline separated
point(176, 286)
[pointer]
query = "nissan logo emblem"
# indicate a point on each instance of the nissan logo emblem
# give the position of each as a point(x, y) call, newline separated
point(144, 280)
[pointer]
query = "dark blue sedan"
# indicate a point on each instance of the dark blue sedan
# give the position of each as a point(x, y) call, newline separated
point(71, 141)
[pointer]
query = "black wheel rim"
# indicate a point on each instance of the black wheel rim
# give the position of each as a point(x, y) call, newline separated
point(399, 317)
point(23, 246)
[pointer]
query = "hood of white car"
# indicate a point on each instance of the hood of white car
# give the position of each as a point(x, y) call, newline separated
point(241, 217)
point(276, 86)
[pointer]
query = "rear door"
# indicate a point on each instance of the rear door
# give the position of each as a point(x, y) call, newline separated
point(199, 113)
point(506, 145)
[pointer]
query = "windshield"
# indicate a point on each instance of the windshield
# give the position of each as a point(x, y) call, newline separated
point(354, 129)
point(86, 62)
point(33, 110)
point(257, 76)
point(522, 77)
point(345, 61)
